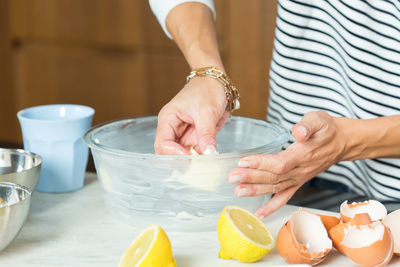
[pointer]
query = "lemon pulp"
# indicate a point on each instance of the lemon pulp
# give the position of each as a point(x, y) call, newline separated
point(151, 248)
point(243, 236)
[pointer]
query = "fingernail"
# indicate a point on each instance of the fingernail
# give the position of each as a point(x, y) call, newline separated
point(210, 150)
point(261, 217)
point(244, 164)
point(303, 129)
point(193, 151)
point(243, 192)
point(235, 179)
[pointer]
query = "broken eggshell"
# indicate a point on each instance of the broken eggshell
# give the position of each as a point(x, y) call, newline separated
point(393, 222)
point(303, 239)
point(375, 209)
point(365, 242)
point(338, 232)
point(329, 221)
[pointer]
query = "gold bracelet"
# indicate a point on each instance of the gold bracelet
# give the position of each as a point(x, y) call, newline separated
point(231, 92)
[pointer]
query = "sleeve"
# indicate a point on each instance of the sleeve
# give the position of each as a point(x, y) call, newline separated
point(161, 8)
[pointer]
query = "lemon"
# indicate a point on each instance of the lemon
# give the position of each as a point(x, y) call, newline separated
point(243, 236)
point(151, 248)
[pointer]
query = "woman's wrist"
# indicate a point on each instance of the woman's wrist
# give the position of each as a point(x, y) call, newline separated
point(208, 87)
point(199, 57)
point(231, 93)
point(193, 29)
point(370, 138)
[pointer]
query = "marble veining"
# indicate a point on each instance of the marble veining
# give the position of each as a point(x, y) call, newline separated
point(76, 229)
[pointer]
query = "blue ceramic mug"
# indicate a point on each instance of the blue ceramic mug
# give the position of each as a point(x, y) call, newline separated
point(55, 132)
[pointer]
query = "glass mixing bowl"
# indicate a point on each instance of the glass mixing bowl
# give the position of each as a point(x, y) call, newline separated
point(183, 193)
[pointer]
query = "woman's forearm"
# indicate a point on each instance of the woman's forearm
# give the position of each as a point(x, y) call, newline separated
point(192, 27)
point(372, 138)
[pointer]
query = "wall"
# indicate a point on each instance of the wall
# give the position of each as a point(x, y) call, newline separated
point(113, 56)
point(8, 123)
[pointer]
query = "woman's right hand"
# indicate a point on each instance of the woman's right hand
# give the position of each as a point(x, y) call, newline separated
point(192, 118)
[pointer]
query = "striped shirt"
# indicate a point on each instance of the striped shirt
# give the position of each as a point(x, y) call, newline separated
point(342, 57)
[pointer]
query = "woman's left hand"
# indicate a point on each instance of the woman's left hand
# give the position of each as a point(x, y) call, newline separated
point(320, 143)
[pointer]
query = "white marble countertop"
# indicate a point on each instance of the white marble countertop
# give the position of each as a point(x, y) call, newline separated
point(76, 229)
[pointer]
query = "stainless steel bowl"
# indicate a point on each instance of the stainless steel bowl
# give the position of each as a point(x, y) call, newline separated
point(20, 167)
point(14, 208)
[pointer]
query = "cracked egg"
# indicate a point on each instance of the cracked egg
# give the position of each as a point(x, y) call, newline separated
point(393, 222)
point(375, 209)
point(365, 242)
point(303, 239)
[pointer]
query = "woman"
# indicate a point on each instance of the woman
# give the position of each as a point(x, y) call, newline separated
point(334, 81)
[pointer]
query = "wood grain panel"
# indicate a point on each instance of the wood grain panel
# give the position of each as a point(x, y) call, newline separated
point(8, 119)
point(111, 82)
point(117, 83)
point(166, 75)
point(88, 22)
point(113, 55)
point(249, 43)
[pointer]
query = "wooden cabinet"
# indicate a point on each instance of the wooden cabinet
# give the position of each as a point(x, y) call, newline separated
point(120, 23)
point(112, 55)
point(116, 83)
point(8, 124)
point(249, 42)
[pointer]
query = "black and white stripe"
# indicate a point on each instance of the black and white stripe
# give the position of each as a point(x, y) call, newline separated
point(342, 57)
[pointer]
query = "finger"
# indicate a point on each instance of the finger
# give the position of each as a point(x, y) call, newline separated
point(171, 148)
point(206, 128)
point(250, 190)
point(196, 148)
point(311, 123)
point(276, 202)
point(300, 132)
point(188, 138)
point(166, 136)
point(223, 120)
point(277, 164)
point(253, 176)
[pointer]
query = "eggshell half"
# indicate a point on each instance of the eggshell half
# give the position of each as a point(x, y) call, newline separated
point(379, 248)
point(360, 219)
point(338, 232)
point(375, 209)
point(365, 242)
point(393, 222)
point(329, 221)
point(303, 239)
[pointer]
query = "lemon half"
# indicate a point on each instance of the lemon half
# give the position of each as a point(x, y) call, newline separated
point(151, 248)
point(243, 236)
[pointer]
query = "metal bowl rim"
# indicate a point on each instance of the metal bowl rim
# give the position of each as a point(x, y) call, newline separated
point(16, 187)
point(20, 151)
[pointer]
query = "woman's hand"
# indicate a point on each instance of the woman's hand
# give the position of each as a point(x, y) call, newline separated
point(320, 143)
point(192, 118)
